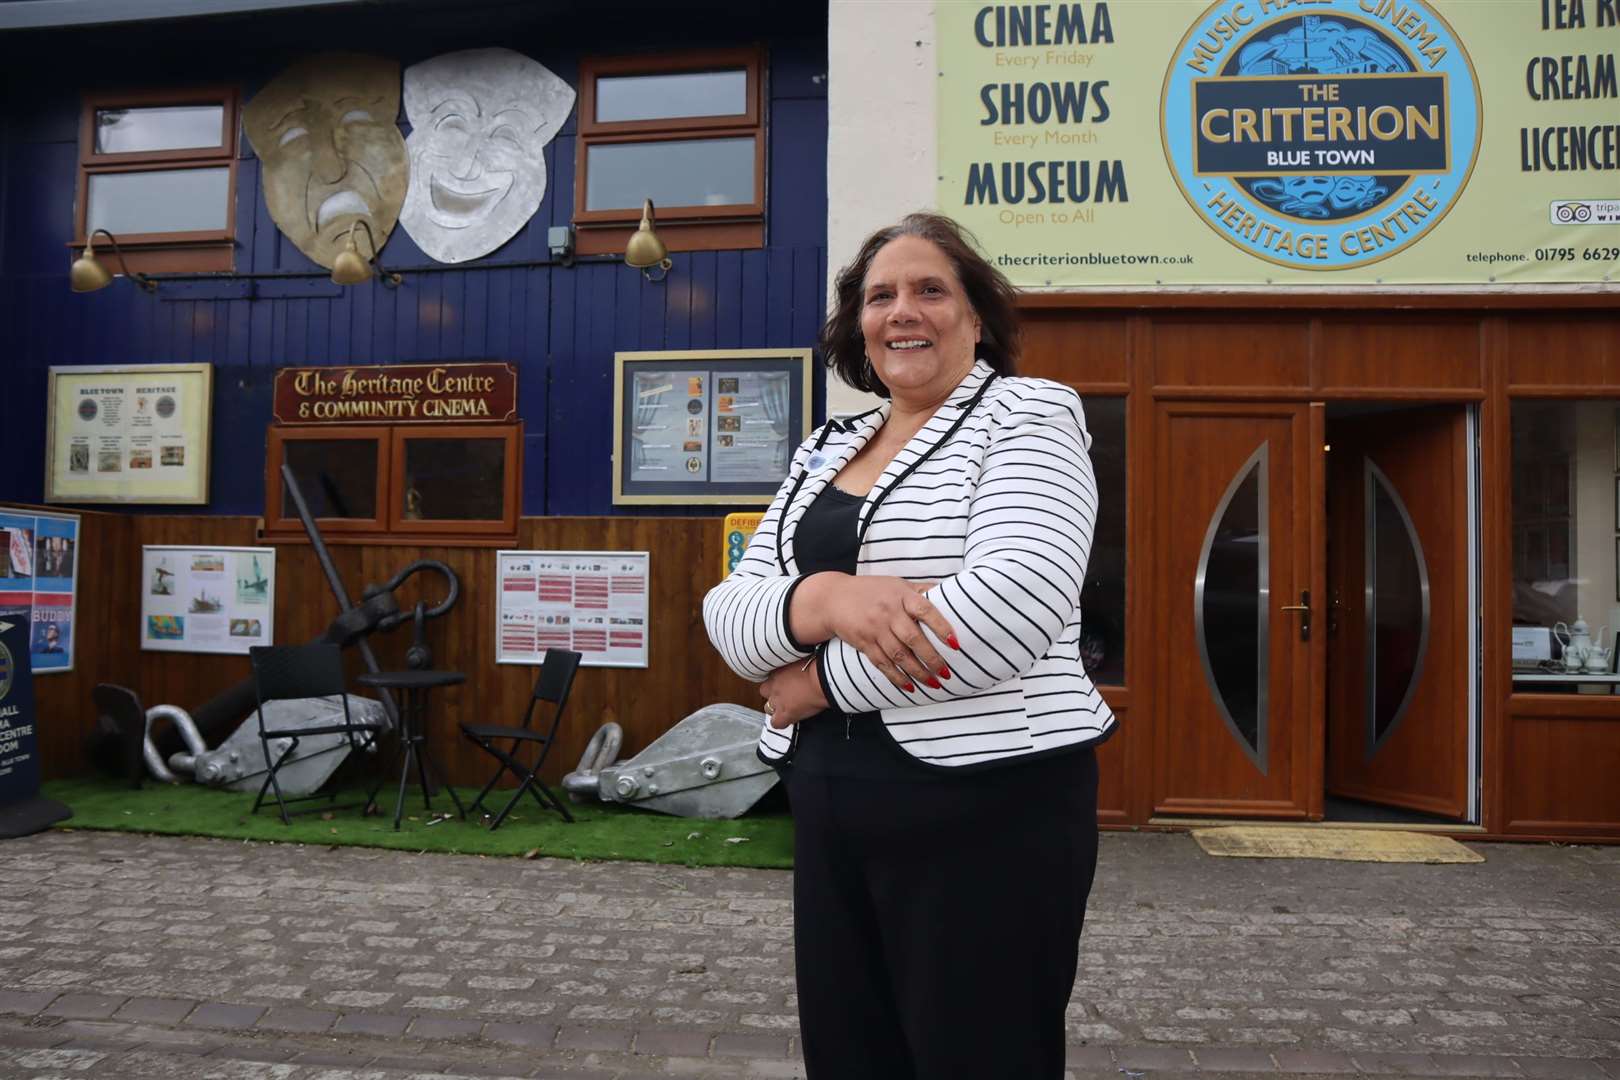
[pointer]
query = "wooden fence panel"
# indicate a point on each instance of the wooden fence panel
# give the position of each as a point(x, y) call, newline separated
point(104, 632)
point(684, 673)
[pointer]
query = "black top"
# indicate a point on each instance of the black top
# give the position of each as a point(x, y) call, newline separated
point(410, 680)
point(831, 743)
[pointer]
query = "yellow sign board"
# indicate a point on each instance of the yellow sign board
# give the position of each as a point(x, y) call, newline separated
point(133, 433)
point(739, 529)
point(1285, 142)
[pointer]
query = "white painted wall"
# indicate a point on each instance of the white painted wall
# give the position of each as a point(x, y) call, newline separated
point(882, 97)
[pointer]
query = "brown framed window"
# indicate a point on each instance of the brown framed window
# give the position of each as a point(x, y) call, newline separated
point(157, 169)
point(448, 483)
point(686, 130)
point(1565, 477)
point(454, 478)
point(342, 473)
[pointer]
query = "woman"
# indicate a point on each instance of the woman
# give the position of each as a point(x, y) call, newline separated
point(910, 608)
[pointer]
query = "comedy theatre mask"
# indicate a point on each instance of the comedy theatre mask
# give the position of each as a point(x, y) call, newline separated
point(330, 151)
point(480, 120)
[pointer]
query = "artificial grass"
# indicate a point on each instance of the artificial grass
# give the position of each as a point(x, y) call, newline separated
point(600, 831)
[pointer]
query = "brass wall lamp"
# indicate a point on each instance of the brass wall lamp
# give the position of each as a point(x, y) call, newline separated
point(88, 275)
point(645, 250)
point(349, 268)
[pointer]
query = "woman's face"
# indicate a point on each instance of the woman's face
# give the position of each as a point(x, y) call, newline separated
point(917, 323)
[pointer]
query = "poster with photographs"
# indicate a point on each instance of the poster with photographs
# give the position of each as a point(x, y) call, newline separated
point(593, 602)
point(715, 426)
point(207, 600)
point(130, 433)
point(39, 574)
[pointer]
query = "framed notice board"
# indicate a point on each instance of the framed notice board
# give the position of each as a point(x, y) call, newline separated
point(712, 426)
point(206, 599)
point(593, 602)
point(128, 433)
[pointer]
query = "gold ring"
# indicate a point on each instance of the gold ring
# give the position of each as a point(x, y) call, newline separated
point(770, 709)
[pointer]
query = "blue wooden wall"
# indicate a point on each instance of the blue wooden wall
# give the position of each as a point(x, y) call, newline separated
point(560, 326)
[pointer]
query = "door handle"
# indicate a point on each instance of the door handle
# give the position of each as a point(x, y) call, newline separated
point(1304, 608)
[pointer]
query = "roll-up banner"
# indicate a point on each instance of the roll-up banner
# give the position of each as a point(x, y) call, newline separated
point(1285, 142)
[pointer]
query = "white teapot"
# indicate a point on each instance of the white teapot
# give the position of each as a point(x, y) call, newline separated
point(1577, 642)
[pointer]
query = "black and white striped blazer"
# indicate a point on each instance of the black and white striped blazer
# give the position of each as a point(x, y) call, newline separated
point(994, 499)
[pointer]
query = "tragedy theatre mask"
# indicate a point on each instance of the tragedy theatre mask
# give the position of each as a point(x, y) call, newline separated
point(330, 151)
point(480, 120)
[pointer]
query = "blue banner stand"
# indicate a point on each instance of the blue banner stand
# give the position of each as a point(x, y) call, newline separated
point(22, 811)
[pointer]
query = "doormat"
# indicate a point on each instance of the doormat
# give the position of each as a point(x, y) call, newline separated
point(1350, 845)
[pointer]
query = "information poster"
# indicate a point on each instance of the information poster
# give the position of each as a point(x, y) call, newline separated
point(707, 427)
point(728, 429)
point(593, 602)
point(39, 563)
point(133, 433)
point(207, 600)
point(1285, 142)
point(739, 529)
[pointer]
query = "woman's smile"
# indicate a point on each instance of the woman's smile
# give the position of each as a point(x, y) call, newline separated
point(918, 326)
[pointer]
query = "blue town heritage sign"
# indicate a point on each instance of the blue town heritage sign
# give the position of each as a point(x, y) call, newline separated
point(1321, 136)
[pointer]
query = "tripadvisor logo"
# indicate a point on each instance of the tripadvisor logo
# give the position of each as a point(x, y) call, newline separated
point(1324, 141)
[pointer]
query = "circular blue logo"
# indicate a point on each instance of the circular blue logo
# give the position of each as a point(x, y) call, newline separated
point(1324, 141)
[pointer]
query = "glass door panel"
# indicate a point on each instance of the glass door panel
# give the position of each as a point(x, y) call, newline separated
point(1397, 599)
point(1231, 597)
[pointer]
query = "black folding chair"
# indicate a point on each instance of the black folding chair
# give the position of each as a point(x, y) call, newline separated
point(284, 672)
point(555, 680)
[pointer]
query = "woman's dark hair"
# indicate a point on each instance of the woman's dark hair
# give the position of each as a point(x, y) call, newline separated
point(989, 293)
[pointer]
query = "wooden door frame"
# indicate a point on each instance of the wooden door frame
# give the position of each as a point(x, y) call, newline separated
point(1391, 345)
point(1316, 736)
point(1456, 550)
point(1311, 564)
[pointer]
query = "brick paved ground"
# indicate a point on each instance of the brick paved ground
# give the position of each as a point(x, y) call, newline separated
point(125, 956)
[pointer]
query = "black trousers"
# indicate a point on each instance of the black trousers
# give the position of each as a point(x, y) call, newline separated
point(937, 923)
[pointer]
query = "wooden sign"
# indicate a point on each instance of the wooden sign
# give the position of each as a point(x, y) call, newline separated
point(397, 394)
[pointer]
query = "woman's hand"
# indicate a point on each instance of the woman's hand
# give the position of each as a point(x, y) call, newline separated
point(792, 693)
point(881, 616)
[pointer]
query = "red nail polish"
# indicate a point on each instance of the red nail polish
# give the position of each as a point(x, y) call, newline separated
point(933, 683)
point(910, 689)
point(944, 672)
point(953, 643)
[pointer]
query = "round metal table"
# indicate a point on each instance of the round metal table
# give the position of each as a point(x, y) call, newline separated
point(413, 687)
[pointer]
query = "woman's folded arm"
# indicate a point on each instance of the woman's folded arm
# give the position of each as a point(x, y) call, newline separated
point(1028, 537)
